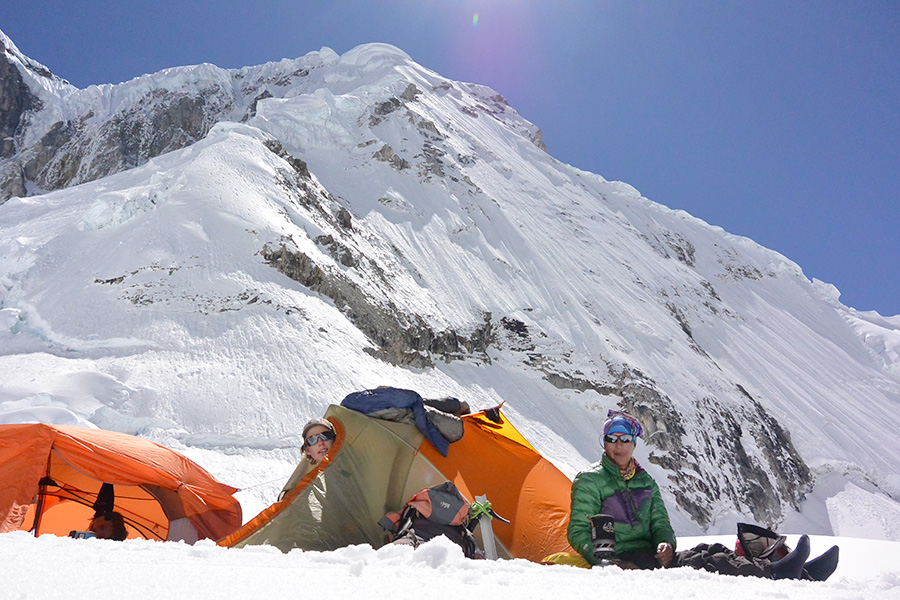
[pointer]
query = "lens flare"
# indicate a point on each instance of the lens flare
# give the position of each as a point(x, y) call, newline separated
point(475, 20)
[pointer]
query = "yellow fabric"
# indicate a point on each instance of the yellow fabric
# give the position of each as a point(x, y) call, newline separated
point(566, 558)
point(629, 471)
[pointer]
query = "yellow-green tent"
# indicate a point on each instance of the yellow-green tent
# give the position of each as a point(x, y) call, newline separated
point(375, 465)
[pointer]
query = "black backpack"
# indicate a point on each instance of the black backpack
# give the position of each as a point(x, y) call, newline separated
point(434, 511)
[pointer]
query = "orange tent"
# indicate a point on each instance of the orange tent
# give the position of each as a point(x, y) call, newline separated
point(50, 476)
point(494, 459)
point(375, 465)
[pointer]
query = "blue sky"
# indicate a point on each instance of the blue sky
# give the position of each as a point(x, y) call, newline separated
point(775, 120)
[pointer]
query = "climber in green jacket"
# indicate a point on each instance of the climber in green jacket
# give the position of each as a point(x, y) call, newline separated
point(618, 486)
point(618, 516)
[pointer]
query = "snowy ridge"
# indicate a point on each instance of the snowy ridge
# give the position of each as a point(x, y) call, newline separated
point(880, 334)
point(336, 223)
point(40, 80)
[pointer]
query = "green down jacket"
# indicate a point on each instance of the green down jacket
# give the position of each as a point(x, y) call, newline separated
point(641, 518)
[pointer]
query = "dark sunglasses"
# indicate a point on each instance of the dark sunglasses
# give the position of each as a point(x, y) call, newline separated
point(612, 439)
point(312, 440)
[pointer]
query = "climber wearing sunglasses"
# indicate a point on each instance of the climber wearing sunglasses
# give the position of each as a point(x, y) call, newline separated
point(617, 491)
point(318, 437)
point(618, 486)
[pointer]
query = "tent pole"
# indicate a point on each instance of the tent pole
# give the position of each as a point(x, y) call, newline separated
point(42, 493)
point(40, 508)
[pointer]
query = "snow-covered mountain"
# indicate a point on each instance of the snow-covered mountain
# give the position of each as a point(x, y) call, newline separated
point(226, 252)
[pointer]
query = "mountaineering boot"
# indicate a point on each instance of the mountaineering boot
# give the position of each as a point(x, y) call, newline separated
point(603, 537)
point(821, 567)
point(791, 566)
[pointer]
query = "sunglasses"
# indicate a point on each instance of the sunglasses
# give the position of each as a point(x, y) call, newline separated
point(612, 439)
point(312, 440)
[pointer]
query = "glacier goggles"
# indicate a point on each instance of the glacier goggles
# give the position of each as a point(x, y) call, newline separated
point(624, 439)
point(325, 436)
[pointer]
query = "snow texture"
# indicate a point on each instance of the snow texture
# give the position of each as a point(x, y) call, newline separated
point(49, 567)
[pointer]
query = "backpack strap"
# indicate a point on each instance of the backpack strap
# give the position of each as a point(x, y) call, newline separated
point(398, 524)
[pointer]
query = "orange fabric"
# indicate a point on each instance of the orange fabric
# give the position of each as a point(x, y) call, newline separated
point(144, 516)
point(78, 460)
point(272, 511)
point(504, 429)
point(496, 461)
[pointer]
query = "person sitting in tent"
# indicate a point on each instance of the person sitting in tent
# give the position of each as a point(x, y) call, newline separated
point(318, 437)
point(50, 473)
point(109, 525)
point(618, 493)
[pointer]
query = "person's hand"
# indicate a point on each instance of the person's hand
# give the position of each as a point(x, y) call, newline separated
point(664, 553)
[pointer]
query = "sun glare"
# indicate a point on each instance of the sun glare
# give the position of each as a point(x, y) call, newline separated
point(475, 20)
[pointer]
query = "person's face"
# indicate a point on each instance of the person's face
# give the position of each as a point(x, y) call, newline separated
point(620, 452)
point(102, 528)
point(317, 451)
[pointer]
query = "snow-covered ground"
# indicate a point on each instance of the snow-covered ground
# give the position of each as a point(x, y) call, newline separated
point(50, 567)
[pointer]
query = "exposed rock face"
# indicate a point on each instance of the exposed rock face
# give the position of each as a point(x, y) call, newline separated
point(401, 339)
point(712, 456)
point(386, 154)
point(79, 151)
point(159, 123)
point(15, 101)
point(151, 118)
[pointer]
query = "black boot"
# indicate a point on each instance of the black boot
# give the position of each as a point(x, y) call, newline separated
point(791, 566)
point(821, 567)
point(603, 537)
